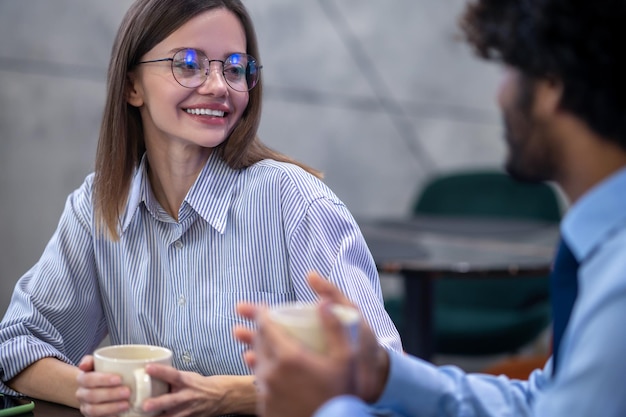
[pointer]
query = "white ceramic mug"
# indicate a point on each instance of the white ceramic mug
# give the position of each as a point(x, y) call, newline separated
point(129, 361)
point(302, 321)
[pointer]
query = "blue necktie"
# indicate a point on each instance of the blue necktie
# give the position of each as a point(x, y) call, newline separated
point(563, 291)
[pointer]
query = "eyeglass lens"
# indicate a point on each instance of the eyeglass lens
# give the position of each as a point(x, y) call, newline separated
point(191, 68)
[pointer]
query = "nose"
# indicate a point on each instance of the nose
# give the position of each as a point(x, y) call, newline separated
point(215, 82)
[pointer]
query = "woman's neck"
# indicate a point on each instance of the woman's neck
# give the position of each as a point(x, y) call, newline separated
point(173, 172)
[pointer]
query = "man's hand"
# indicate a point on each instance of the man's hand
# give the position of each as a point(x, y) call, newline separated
point(294, 381)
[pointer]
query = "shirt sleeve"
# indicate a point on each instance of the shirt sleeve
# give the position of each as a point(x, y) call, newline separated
point(55, 310)
point(328, 240)
point(418, 388)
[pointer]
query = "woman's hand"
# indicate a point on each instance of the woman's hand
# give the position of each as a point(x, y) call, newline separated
point(103, 395)
point(100, 394)
point(194, 394)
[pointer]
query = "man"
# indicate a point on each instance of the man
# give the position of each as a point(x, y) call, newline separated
point(563, 98)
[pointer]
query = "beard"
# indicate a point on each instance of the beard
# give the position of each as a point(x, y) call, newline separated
point(531, 156)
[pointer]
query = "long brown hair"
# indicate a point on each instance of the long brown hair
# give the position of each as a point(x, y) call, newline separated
point(121, 143)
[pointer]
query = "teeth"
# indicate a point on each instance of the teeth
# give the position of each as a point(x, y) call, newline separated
point(206, 112)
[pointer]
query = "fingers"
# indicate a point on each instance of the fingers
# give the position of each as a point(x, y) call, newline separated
point(272, 340)
point(98, 380)
point(165, 373)
point(264, 341)
point(267, 334)
point(101, 394)
point(250, 358)
point(246, 310)
point(244, 335)
point(336, 332)
point(105, 409)
point(177, 381)
point(326, 289)
point(86, 364)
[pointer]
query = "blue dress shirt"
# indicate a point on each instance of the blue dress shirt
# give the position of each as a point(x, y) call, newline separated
point(242, 235)
point(592, 355)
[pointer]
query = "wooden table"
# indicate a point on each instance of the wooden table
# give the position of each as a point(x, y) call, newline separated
point(422, 248)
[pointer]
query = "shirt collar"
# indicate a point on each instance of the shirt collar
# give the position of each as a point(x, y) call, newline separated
point(210, 195)
point(213, 192)
point(596, 215)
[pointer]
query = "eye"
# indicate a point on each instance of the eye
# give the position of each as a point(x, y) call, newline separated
point(234, 72)
point(187, 62)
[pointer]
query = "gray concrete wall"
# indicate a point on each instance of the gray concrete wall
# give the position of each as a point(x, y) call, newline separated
point(377, 94)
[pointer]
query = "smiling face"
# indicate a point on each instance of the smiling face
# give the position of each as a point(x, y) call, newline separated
point(198, 117)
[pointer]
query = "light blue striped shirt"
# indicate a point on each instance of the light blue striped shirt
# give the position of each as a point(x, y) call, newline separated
point(250, 234)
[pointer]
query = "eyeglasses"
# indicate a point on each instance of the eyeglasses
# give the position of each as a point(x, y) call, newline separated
point(191, 68)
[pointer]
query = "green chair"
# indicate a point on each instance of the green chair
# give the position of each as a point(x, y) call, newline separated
point(482, 316)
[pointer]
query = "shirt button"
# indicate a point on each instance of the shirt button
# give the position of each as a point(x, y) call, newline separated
point(182, 300)
point(178, 244)
point(186, 357)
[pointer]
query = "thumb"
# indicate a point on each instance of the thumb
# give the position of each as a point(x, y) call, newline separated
point(326, 289)
point(86, 364)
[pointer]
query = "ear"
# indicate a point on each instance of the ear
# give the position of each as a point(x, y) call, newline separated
point(134, 92)
point(548, 93)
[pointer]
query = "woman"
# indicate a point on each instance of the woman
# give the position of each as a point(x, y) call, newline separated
point(187, 214)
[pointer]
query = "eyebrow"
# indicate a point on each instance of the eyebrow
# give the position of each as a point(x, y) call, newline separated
point(174, 50)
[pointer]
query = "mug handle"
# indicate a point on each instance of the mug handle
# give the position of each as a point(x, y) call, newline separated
point(143, 387)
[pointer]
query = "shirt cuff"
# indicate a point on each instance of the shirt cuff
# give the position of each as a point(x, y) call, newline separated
point(413, 386)
point(344, 405)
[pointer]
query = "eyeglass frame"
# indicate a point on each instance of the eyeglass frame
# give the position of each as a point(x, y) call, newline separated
point(208, 67)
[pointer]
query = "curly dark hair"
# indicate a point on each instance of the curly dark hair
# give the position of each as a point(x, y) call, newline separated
point(577, 42)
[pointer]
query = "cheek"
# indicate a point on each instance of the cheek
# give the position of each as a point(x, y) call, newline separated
point(241, 102)
point(503, 95)
point(506, 89)
point(164, 99)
